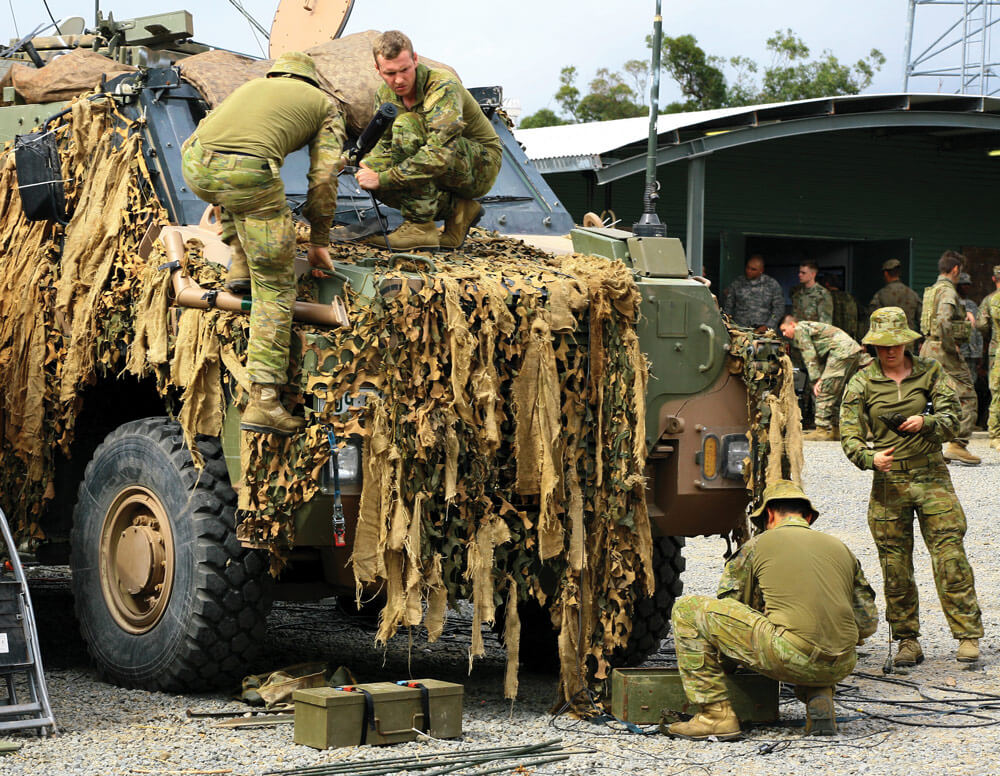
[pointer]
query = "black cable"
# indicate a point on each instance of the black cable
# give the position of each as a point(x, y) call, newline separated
point(53, 18)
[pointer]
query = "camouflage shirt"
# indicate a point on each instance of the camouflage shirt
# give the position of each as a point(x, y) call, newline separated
point(988, 320)
point(870, 395)
point(812, 304)
point(448, 111)
point(845, 312)
point(973, 348)
point(818, 341)
point(947, 321)
point(753, 303)
point(806, 581)
point(898, 294)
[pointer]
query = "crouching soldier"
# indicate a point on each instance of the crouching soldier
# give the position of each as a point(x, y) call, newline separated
point(792, 604)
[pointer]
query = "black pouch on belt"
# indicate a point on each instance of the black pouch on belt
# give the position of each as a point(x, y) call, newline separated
point(39, 177)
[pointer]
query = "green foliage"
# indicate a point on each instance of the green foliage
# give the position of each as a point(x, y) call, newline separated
point(544, 117)
point(609, 98)
point(698, 75)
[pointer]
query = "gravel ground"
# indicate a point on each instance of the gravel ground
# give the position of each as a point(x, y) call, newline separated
point(107, 730)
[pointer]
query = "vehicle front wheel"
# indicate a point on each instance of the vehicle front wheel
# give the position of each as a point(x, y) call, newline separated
point(166, 597)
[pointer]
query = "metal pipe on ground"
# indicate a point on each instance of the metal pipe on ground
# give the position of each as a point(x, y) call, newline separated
point(187, 293)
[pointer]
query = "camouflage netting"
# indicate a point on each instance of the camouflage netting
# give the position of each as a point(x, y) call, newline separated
point(503, 432)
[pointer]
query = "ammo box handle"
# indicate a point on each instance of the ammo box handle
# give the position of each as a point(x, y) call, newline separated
point(711, 347)
point(378, 726)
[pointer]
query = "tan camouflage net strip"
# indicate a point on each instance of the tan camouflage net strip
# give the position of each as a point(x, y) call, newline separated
point(503, 436)
point(504, 442)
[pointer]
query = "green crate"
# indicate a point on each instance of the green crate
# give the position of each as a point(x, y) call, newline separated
point(326, 717)
point(639, 695)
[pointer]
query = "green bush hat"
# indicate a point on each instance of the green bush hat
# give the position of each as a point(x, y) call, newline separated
point(295, 63)
point(781, 490)
point(888, 326)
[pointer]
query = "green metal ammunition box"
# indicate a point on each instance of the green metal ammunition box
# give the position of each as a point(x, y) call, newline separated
point(639, 695)
point(328, 717)
point(601, 241)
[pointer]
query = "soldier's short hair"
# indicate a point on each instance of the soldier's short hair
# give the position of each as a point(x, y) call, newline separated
point(787, 317)
point(791, 506)
point(391, 44)
point(809, 263)
point(949, 260)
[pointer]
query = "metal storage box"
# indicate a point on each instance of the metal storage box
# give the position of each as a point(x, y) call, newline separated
point(638, 695)
point(329, 717)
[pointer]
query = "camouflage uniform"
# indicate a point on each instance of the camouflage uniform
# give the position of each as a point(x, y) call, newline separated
point(440, 148)
point(944, 323)
point(918, 483)
point(812, 304)
point(233, 160)
point(753, 303)
point(989, 319)
point(898, 294)
point(831, 356)
point(740, 625)
point(845, 313)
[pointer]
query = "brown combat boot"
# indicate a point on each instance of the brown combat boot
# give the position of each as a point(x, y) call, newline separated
point(820, 434)
point(995, 443)
point(266, 415)
point(968, 651)
point(716, 720)
point(959, 453)
point(909, 653)
point(821, 718)
point(464, 215)
point(238, 276)
point(407, 236)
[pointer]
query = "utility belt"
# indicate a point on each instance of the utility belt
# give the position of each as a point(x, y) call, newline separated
point(230, 160)
point(916, 462)
point(815, 654)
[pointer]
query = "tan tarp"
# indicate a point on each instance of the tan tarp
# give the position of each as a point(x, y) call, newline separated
point(65, 77)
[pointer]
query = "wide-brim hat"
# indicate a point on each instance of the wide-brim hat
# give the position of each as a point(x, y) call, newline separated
point(295, 63)
point(888, 326)
point(782, 490)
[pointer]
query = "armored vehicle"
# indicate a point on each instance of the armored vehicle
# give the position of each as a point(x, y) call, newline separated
point(534, 431)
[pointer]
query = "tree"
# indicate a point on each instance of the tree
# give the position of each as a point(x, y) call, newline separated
point(697, 74)
point(545, 117)
point(609, 98)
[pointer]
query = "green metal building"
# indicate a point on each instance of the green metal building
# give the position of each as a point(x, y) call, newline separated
point(847, 181)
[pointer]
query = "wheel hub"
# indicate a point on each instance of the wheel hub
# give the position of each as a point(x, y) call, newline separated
point(137, 559)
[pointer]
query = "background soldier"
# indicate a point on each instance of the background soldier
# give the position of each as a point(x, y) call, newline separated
point(233, 160)
point(792, 605)
point(831, 357)
point(845, 307)
point(989, 319)
point(755, 300)
point(440, 153)
point(810, 301)
point(895, 293)
point(888, 399)
point(947, 324)
point(972, 350)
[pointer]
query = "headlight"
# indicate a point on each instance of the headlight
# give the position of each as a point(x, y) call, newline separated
point(348, 466)
point(735, 449)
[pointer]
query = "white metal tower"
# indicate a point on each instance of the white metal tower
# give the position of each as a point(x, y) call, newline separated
point(960, 58)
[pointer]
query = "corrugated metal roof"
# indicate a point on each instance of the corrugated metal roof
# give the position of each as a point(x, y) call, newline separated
point(580, 146)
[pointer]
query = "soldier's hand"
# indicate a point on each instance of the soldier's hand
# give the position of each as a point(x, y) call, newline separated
point(970, 317)
point(319, 259)
point(912, 424)
point(816, 388)
point(883, 460)
point(367, 178)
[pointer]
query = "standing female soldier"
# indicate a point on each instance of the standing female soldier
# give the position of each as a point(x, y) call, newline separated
point(889, 398)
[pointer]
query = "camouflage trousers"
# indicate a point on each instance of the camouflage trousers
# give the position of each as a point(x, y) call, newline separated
point(254, 210)
point(927, 492)
point(961, 380)
point(473, 170)
point(993, 419)
point(708, 632)
point(836, 371)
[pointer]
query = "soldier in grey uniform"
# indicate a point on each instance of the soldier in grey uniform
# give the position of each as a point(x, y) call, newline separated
point(895, 293)
point(754, 300)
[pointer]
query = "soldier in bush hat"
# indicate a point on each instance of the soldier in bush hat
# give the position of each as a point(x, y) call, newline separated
point(895, 293)
point(888, 399)
point(233, 160)
point(988, 321)
point(792, 604)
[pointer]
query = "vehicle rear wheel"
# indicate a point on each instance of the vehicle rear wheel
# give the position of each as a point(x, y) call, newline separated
point(166, 596)
point(650, 619)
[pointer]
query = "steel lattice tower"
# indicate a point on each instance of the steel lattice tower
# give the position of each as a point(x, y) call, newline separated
point(960, 57)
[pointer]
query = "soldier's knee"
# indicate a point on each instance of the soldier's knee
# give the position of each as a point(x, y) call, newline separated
point(954, 570)
point(897, 577)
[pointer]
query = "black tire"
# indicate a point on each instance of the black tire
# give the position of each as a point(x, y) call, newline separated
point(207, 620)
point(650, 620)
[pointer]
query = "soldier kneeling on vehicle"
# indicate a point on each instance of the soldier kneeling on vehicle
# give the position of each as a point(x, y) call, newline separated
point(793, 603)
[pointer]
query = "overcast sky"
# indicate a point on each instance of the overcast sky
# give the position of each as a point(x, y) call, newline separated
point(522, 44)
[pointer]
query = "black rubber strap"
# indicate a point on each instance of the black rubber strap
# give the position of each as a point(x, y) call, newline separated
point(425, 702)
point(369, 718)
point(171, 265)
point(211, 297)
